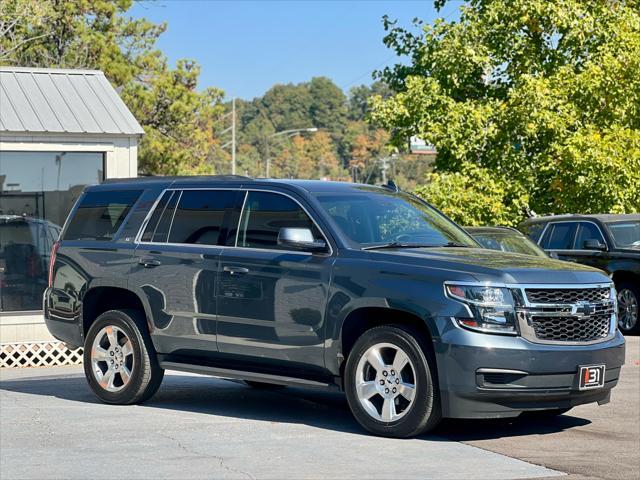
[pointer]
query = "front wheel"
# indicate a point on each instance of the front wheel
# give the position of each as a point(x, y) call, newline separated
point(390, 382)
point(628, 307)
point(119, 359)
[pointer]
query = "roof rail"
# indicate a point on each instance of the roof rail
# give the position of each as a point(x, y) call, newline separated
point(161, 178)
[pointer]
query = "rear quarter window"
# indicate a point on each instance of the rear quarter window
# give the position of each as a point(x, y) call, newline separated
point(100, 214)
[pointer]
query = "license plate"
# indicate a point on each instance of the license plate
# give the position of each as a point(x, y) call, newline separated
point(591, 377)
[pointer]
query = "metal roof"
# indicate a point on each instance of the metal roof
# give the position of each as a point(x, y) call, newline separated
point(48, 100)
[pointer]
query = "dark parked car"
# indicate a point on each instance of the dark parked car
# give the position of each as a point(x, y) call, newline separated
point(608, 242)
point(328, 285)
point(25, 244)
point(505, 239)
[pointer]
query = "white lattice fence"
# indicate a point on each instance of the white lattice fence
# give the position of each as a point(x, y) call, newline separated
point(38, 354)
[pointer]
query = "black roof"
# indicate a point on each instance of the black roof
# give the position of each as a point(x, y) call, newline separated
point(308, 185)
point(601, 217)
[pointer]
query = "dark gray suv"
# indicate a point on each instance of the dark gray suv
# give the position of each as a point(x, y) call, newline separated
point(328, 285)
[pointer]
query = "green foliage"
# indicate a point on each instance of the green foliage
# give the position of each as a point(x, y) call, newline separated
point(474, 196)
point(178, 120)
point(96, 34)
point(540, 94)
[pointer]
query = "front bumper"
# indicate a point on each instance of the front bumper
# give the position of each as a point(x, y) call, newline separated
point(493, 376)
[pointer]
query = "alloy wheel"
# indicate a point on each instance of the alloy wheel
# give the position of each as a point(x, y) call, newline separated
point(627, 309)
point(112, 358)
point(385, 382)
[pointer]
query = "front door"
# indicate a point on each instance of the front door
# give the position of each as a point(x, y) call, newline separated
point(589, 232)
point(177, 268)
point(271, 301)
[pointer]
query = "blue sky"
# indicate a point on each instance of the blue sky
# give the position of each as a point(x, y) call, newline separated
point(244, 47)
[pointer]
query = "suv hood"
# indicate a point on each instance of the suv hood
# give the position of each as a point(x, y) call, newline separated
point(494, 266)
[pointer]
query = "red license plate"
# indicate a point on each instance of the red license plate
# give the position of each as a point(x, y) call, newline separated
point(591, 377)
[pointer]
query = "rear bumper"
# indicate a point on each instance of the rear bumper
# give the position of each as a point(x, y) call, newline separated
point(490, 376)
point(66, 329)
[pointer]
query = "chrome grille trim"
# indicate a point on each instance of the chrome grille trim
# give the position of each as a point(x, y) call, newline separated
point(552, 314)
point(567, 295)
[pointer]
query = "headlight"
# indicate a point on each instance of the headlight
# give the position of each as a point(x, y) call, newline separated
point(492, 308)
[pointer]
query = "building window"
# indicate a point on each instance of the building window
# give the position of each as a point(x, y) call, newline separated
point(37, 191)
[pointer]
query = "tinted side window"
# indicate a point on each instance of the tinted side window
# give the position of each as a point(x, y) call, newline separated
point(265, 214)
point(533, 231)
point(587, 231)
point(560, 236)
point(199, 216)
point(100, 214)
point(152, 225)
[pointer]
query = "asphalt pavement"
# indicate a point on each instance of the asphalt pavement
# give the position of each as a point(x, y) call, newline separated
point(51, 426)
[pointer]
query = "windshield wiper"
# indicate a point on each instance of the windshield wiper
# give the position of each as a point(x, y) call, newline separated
point(455, 244)
point(397, 245)
point(411, 245)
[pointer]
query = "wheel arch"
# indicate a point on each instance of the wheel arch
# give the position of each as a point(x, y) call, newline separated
point(101, 299)
point(362, 319)
point(625, 276)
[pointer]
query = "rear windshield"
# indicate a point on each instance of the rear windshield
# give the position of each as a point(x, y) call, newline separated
point(101, 214)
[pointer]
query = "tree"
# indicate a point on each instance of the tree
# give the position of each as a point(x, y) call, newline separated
point(360, 96)
point(176, 117)
point(328, 106)
point(474, 196)
point(541, 94)
point(178, 120)
point(21, 23)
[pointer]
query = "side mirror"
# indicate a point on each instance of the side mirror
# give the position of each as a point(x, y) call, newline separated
point(300, 239)
point(593, 244)
point(554, 255)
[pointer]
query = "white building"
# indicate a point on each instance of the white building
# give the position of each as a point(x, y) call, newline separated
point(59, 131)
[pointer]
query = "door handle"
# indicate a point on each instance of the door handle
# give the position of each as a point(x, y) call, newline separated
point(149, 262)
point(236, 270)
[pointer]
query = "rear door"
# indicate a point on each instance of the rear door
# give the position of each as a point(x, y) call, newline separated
point(177, 264)
point(271, 301)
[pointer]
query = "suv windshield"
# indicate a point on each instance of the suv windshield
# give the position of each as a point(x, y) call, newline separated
point(508, 242)
point(372, 217)
point(625, 234)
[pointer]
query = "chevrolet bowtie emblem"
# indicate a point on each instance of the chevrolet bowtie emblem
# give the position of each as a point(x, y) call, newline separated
point(583, 309)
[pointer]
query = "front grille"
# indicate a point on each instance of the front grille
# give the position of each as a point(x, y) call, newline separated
point(568, 295)
point(567, 314)
point(572, 329)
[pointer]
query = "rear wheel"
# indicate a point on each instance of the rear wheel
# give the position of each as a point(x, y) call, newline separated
point(120, 363)
point(390, 383)
point(628, 307)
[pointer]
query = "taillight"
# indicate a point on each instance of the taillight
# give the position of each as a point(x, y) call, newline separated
point(52, 261)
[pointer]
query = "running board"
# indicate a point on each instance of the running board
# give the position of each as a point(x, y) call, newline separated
point(243, 375)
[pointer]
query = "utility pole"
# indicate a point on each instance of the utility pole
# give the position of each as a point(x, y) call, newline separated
point(233, 136)
point(384, 168)
point(232, 129)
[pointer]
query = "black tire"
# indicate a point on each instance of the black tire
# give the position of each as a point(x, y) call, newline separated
point(264, 385)
point(634, 290)
point(146, 374)
point(424, 412)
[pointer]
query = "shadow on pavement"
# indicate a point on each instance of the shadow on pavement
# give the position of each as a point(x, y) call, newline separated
point(328, 410)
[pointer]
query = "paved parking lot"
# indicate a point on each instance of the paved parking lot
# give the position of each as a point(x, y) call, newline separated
point(199, 427)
